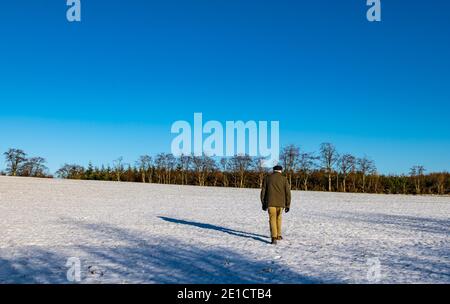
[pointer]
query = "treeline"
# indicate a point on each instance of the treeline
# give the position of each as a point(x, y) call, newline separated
point(19, 164)
point(326, 170)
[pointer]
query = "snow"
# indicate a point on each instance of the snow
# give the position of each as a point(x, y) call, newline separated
point(149, 233)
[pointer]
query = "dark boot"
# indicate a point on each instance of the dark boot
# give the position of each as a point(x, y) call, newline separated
point(274, 241)
point(279, 238)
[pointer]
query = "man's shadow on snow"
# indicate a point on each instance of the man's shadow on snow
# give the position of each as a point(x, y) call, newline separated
point(136, 256)
point(256, 237)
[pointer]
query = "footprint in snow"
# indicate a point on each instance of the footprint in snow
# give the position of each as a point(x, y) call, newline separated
point(268, 270)
point(95, 271)
point(227, 263)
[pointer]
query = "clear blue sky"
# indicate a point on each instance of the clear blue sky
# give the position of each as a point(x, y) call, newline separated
point(113, 84)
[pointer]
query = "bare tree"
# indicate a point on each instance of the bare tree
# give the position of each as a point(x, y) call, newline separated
point(70, 171)
point(160, 163)
point(365, 166)
point(118, 168)
point(307, 163)
point(184, 162)
point(224, 166)
point(170, 167)
point(440, 183)
point(34, 167)
point(416, 173)
point(289, 158)
point(260, 170)
point(347, 163)
point(202, 165)
point(329, 157)
point(165, 164)
point(14, 158)
point(144, 164)
point(240, 165)
point(376, 181)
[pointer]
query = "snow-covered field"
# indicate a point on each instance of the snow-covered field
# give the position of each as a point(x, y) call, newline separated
point(142, 233)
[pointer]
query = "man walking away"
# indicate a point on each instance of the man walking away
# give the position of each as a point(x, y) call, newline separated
point(276, 196)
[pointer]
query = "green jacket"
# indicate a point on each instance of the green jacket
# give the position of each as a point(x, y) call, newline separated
point(276, 191)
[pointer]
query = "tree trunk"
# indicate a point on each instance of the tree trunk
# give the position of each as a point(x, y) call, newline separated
point(364, 183)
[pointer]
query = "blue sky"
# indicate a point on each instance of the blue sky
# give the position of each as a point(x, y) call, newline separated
point(113, 84)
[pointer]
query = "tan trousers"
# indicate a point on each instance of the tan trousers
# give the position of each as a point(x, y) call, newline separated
point(275, 221)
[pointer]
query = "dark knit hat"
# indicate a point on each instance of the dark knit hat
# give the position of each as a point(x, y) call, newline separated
point(278, 168)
